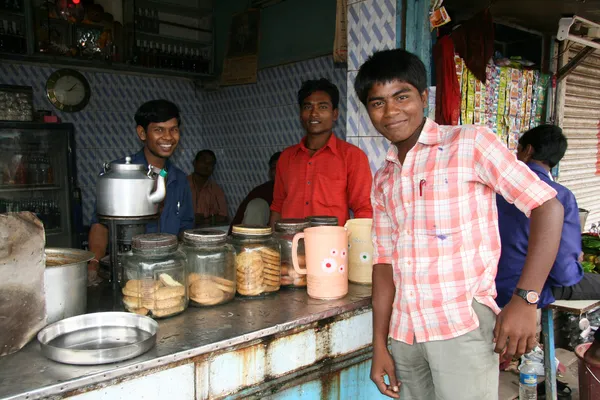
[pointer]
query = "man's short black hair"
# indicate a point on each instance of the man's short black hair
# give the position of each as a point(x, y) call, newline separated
point(274, 158)
point(387, 66)
point(206, 151)
point(548, 142)
point(156, 111)
point(320, 85)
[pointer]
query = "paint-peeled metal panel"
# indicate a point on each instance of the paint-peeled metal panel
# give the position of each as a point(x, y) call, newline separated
point(289, 353)
point(229, 372)
point(351, 334)
point(173, 384)
point(581, 125)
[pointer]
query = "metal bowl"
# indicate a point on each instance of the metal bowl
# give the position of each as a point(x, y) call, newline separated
point(98, 338)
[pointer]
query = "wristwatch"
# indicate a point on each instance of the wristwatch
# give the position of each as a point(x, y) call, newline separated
point(530, 296)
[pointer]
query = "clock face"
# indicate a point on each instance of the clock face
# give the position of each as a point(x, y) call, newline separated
point(68, 90)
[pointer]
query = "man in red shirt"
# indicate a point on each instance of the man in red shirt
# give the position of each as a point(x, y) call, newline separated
point(321, 175)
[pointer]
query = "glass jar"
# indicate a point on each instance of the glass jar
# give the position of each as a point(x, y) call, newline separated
point(210, 267)
point(322, 220)
point(257, 260)
point(155, 276)
point(285, 230)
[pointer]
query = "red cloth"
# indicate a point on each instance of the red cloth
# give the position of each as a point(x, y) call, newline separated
point(474, 42)
point(447, 95)
point(335, 179)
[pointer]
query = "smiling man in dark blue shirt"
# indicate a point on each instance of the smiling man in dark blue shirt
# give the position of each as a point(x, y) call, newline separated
point(541, 148)
point(157, 126)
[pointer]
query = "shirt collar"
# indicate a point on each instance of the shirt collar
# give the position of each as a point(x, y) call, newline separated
point(332, 143)
point(430, 135)
point(140, 158)
point(541, 171)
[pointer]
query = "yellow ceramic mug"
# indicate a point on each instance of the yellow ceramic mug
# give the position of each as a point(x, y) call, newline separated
point(326, 249)
point(360, 252)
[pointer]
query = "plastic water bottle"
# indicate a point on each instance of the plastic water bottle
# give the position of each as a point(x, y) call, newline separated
point(527, 381)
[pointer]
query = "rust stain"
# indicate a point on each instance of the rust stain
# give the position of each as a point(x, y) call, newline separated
point(330, 386)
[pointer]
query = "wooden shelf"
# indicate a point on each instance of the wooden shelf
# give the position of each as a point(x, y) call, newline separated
point(173, 8)
point(103, 66)
point(27, 188)
point(175, 40)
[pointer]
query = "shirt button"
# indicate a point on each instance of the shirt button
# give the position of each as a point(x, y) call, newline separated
point(309, 163)
point(308, 182)
point(407, 204)
point(307, 203)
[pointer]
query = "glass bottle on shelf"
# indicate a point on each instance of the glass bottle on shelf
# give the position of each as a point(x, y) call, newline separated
point(2, 37)
point(156, 21)
point(136, 53)
point(164, 56)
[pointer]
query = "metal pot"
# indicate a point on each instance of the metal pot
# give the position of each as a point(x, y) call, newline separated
point(65, 282)
point(128, 190)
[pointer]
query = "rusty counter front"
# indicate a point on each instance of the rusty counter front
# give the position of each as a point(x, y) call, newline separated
point(249, 348)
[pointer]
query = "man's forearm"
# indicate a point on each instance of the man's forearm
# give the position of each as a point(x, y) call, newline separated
point(275, 216)
point(544, 239)
point(98, 240)
point(383, 300)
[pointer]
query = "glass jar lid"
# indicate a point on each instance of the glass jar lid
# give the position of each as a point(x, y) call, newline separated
point(204, 236)
point(291, 225)
point(154, 241)
point(251, 230)
point(322, 220)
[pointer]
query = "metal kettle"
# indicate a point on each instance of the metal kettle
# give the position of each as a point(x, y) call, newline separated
point(129, 190)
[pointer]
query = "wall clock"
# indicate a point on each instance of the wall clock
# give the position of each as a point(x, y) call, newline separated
point(68, 90)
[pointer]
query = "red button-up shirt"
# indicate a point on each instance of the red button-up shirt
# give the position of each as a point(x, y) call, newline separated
point(335, 179)
point(435, 220)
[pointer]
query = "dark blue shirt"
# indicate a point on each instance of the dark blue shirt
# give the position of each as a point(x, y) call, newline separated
point(514, 235)
point(177, 214)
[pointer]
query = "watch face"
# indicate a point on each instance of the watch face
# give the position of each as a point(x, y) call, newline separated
point(532, 297)
point(68, 90)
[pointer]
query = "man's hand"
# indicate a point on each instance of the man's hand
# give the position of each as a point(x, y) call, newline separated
point(383, 365)
point(514, 333)
point(92, 273)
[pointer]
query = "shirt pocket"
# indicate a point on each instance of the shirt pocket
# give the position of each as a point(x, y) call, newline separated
point(330, 192)
point(443, 199)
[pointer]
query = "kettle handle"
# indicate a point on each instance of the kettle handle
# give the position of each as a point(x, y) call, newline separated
point(105, 168)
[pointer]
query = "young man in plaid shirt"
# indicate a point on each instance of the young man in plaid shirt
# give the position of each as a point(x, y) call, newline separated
point(436, 243)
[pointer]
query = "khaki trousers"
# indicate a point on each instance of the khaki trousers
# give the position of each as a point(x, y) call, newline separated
point(463, 368)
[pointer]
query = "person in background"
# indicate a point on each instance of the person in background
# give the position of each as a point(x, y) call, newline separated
point(436, 243)
point(208, 198)
point(255, 208)
point(541, 148)
point(321, 175)
point(157, 126)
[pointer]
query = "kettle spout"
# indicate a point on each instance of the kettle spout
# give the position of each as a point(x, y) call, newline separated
point(161, 189)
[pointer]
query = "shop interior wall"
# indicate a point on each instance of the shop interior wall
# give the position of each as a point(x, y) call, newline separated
point(245, 124)
point(105, 129)
point(290, 31)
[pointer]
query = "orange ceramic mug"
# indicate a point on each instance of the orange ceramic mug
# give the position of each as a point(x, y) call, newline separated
point(326, 249)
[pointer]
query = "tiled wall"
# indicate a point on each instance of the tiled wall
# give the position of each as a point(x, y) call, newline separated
point(105, 129)
point(371, 27)
point(245, 124)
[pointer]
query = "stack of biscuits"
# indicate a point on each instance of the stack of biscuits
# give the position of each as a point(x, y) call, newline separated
point(209, 290)
point(160, 298)
point(289, 276)
point(258, 271)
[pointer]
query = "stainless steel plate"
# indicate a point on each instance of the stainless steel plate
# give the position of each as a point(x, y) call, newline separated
point(98, 338)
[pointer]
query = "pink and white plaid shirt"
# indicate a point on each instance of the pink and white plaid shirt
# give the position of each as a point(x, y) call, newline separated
point(435, 220)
